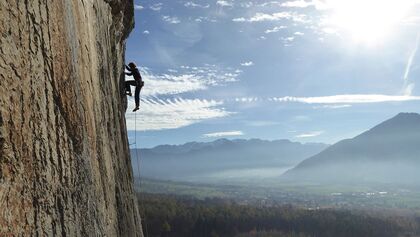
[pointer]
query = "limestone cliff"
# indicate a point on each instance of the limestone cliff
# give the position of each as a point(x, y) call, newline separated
point(64, 161)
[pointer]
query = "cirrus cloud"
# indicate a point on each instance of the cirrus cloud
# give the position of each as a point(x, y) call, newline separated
point(138, 7)
point(195, 5)
point(247, 64)
point(224, 134)
point(258, 17)
point(347, 99)
point(161, 108)
point(159, 114)
point(275, 29)
point(156, 7)
point(186, 79)
point(310, 134)
point(224, 3)
point(284, 15)
point(171, 19)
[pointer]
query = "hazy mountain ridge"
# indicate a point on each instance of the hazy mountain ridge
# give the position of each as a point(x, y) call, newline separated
point(389, 152)
point(169, 161)
point(221, 143)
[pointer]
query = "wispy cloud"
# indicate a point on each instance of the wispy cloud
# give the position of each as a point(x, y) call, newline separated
point(214, 75)
point(201, 19)
point(408, 87)
point(224, 3)
point(265, 17)
point(310, 134)
point(186, 79)
point(247, 64)
point(159, 114)
point(332, 106)
point(331, 102)
point(246, 4)
point(138, 7)
point(224, 134)
point(261, 17)
point(247, 99)
point(347, 99)
point(287, 41)
point(195, 5)
point(275, 29)
point(172, 84)
point(171, 19)
point(298, 3)
point(261, 123)
point(318, 4)
point(171, 112)
point(156, 6)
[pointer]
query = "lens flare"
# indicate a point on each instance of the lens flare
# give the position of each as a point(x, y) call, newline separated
point(367, 21)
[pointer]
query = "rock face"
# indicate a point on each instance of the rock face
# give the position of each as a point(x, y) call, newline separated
point(64, 158)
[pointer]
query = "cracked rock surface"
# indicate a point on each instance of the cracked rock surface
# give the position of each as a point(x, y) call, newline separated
point(64, 157)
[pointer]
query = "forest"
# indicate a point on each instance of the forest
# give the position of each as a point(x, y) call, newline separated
point(185, 216)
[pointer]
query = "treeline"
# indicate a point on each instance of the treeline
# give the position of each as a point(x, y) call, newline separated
point(174, 216)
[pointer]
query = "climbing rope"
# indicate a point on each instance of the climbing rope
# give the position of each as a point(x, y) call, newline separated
point(141, 205)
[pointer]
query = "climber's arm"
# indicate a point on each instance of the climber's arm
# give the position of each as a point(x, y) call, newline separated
point(130, 73)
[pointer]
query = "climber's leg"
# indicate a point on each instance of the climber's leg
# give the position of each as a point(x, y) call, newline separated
point(137, 96)
point(128, 88)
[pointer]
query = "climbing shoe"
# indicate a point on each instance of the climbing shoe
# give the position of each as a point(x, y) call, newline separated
point(135, 109)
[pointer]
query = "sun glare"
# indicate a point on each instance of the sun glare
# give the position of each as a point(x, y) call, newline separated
point(368, 21)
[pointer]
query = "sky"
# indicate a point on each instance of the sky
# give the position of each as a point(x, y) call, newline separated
point(303, 70)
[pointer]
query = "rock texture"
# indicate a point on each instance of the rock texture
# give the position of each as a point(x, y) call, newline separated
point(64, 159)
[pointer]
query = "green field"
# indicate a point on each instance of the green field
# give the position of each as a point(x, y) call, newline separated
point(305, 195)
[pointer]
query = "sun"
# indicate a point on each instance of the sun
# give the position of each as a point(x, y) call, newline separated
point(367, 21)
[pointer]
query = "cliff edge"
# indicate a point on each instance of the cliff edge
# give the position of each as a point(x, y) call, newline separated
point(64, 156)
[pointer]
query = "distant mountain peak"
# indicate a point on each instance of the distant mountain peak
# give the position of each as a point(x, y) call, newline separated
point(392, 147)
point(406, 117)
point(402, 123)
point(405, 114)
point(222, 141)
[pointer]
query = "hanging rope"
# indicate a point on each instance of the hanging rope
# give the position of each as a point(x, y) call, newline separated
point(141, 205)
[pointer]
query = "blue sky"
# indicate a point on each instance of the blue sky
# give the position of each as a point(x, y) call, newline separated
point(304, 70)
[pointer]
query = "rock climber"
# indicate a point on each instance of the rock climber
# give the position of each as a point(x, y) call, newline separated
point(137, 82)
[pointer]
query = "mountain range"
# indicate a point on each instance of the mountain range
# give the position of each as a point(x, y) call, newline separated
point(387, 153)
point(197, 158)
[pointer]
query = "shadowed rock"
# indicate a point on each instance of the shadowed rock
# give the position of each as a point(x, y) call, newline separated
point(64, 158)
